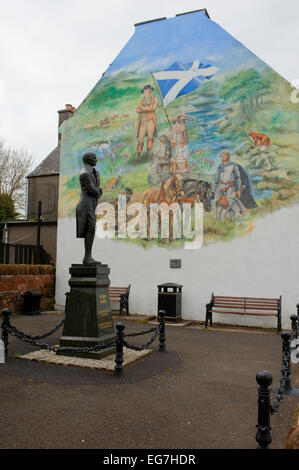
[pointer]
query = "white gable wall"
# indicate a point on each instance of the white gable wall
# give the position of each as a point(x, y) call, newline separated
point(264, 263)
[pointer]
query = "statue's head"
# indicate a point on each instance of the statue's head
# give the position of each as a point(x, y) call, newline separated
point(90, 158)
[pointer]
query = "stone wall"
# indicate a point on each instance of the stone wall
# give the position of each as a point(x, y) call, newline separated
point(16, 279)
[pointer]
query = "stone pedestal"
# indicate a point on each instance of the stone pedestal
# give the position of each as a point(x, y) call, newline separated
point(88, 319)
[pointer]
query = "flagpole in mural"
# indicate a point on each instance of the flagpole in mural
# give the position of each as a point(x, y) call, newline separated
point(155, 81)
point(178, 80)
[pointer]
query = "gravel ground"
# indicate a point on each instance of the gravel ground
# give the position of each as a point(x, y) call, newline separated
point(200, 394)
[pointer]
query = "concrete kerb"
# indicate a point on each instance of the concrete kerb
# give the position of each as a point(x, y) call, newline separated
point(193, 324)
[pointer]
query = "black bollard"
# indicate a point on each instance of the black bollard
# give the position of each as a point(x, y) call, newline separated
point(119, 357)
point(162, 338)
point(5, 322)
point(286, 359)
point(294, 322)
point(263, 435)
point(285, 379)
point(297, 306)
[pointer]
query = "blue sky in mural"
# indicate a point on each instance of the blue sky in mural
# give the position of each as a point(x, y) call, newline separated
point(193, 37)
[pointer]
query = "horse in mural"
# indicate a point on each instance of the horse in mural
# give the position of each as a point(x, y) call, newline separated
point(198, 191)
point(176, 189)
point(170, 191)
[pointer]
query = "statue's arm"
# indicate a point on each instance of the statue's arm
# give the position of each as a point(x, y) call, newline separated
point(89, 186)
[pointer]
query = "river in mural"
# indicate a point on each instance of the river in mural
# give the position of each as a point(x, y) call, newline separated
point(199, 120)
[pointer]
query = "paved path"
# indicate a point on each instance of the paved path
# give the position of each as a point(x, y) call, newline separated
point(201, 394)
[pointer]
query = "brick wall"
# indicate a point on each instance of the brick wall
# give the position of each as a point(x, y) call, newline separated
point(16, 279)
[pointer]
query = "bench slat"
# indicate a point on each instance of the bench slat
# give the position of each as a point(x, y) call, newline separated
point(247, 313)
point(117, 290)
point(247, 298)
point(244, 303)
point(250, 307)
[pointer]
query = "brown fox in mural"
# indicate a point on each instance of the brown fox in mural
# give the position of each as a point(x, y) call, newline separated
point(260, 139)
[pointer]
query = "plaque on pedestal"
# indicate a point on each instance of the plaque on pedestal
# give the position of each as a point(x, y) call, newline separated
point(88, 317)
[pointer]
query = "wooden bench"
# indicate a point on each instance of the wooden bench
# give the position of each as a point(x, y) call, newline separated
point(244, 306)
point(121, 295)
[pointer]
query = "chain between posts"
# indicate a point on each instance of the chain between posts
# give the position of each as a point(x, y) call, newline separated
point(119, 342)
point(144, 346)
point(45, 335)
point(14, 332)
point(140, 333)
point(285, 379)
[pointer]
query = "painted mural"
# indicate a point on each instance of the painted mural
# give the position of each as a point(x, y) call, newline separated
point(186, 112)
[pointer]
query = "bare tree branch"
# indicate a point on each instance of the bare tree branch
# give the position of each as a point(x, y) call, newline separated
point(14, 166)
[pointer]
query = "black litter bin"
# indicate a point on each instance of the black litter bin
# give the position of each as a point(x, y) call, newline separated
point(170, 300)
point(32, 300)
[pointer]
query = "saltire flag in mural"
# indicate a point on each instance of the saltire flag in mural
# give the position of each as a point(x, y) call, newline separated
point(181, 79)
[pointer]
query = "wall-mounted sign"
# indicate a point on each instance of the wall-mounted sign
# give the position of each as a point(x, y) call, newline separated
point(175, 263)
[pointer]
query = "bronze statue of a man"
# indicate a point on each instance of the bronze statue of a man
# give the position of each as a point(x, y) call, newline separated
point(86, 207)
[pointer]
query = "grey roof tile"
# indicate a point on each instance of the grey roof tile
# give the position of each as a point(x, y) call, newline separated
point(49, 166)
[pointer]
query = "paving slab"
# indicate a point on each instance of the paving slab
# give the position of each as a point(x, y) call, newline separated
point(107, 363)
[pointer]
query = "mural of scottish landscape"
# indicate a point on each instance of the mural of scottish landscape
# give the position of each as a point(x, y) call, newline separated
point(187, 113)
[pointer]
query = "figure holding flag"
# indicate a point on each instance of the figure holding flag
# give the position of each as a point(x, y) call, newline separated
point(147, 122)
point(179, 79)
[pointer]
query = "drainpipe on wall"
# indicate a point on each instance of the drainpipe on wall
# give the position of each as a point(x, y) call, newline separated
point(5, 233)
point(26, 202)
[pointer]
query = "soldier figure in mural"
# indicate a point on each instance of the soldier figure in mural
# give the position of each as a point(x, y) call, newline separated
point(147, 122)
point(86, 207)
point(232, 192)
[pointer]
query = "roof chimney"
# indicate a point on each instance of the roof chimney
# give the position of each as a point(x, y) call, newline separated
point(63, 115)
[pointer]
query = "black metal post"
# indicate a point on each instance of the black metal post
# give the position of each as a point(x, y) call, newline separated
point(297, 306)
point(294, 322)
point(119, 357)
point(162, 337)
point(5, 322)
point(286, 358)
point(263, 435)
point(39, 211)
point(208, 315)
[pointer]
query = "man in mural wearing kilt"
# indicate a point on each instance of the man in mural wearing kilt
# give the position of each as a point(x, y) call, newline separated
point(147, 122)
point(85, 210)
point(232, 192)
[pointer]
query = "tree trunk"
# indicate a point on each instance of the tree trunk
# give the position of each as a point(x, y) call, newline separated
point(243, 109)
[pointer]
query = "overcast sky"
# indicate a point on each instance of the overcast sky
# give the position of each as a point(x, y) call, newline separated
point(52, 52)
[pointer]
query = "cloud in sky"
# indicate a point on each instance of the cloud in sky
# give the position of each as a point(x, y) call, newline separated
point(53, 52)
